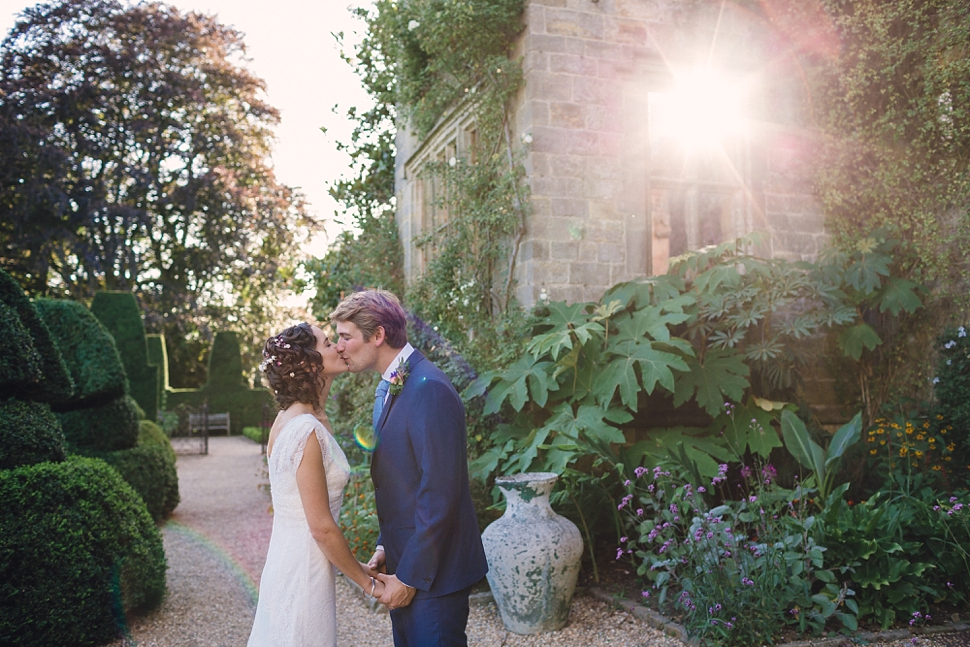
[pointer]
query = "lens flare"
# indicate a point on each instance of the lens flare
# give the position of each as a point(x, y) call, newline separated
point(364, 435)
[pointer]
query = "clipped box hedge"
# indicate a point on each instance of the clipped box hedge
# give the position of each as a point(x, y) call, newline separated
point(103, 428)
point(78, 550)
point(150, 469)
point(29, 434)
point(120, 314)
point(53, 384)
point(225, 389)
point(88, 350)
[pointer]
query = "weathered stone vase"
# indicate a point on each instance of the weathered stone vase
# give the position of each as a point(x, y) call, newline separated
point(533, 556)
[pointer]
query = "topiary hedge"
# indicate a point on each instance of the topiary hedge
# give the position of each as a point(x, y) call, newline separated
point(77, 549)
point(103, 428)
point(150, 469)
point(226, 388)
point(88, 350)
point(158, 357)
point(29, 434)
point(120, 314)
point(53, 384)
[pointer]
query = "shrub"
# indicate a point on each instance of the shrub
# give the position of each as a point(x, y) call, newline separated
point(225, 362)
point(54, 384)
point(358, 514)
point(119, 313)
point(88, 350)
point(29, 434)
point(952, 385)
point(742, 569)
point(20, 363)
point(107, 427)
point(255, 434)
point(149, 468)
point(78, 550)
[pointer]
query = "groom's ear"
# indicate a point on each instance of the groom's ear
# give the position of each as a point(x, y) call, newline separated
point(380, 336)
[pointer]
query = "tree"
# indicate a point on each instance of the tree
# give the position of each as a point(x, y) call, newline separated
point(139, 151)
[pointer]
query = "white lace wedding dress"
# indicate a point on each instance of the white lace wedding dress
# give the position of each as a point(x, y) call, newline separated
point(297, 605)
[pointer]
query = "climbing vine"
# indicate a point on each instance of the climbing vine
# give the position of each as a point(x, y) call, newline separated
point(422, 61)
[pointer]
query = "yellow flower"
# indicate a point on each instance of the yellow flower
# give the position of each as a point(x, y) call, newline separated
point(939, 416)
point(880, 431)
point(903, 451)
point(937, 468)
point(920, 436)
point(873, 451)
point(919, 454)
point(882, 442)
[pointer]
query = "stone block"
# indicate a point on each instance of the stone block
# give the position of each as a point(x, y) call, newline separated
point(603, 119)
point(605, 231)
point(600, 189)
point(602, 210)
point(572, 166)
point(589, 252)
point(549, 3)
point(544, 43)
point(626, 30)
point(594, 90)
point(564, 251)
point(535, 61)
point(567, 293)
point(545, 86)
point(534, 17)
point(567, 115)
point(605, 168)
point(777, 203)
point(538, 250)
point(587, 274)
point(611, 252)
point(557, 187)
point(564, 141)
point(577, 24)
point(569, 208)
point(809, 223)
point(550, 273)
point(550, 229)
point(541, 206)
point(601, 50)
point(539, 163)
point(571, 64)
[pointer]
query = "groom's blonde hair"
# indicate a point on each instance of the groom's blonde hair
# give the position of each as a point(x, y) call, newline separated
point(370, 309)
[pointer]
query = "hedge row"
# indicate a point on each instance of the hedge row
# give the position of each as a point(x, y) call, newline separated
point(78, 549)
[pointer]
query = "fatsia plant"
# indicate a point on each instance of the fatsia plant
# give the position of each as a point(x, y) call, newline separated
point(718, 332)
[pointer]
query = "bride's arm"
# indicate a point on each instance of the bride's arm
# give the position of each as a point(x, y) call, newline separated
point(311, 479)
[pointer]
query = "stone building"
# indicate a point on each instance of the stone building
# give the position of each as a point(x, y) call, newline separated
point(652, 127)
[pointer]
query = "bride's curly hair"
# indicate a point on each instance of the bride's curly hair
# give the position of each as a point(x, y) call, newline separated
point(293, 367)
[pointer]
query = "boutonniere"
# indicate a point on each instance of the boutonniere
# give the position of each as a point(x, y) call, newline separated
point(398, 376)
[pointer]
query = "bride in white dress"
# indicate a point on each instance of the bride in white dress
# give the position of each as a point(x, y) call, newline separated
point(307, 473)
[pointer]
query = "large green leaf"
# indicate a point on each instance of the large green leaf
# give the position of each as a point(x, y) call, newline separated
point(899, 294)
point(748, 427)
point(846, 436)
point(863, 274)
point(706, 451)
point(722, 376)
point(855, 338)
point(516, 382)
point(800, 444)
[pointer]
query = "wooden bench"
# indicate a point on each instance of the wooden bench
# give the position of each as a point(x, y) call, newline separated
point(215, 422)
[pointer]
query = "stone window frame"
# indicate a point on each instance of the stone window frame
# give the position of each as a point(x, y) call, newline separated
point(454, 137)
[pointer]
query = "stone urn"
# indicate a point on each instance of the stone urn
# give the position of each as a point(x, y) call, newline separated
point(533, 556)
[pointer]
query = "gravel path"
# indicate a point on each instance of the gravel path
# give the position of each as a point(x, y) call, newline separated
point(216, 545)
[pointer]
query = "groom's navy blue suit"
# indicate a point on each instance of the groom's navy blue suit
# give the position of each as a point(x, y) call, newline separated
point(428, 526)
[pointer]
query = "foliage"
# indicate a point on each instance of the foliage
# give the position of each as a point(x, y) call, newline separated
point(143, 164)
point(103, 427)
point(32, 370)
point(824, 463)
point(88, 350)
point(712, 331)
point(256, 434)
point(149, 468)
point(358, 514)
point(29, 434)
point(158, 357)
point(899, 552)
point(121, 316)
point(79, 550)
point(744, 568)
point(911, 449)
point(226, 389)
point(951, 385)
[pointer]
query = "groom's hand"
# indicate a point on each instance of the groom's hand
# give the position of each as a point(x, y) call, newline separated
point(396, 593)
point(377, 563)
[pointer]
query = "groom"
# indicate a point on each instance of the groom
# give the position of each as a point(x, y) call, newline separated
point(429, 544)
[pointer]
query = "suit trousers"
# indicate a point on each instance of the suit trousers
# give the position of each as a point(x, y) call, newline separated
point(432, 622)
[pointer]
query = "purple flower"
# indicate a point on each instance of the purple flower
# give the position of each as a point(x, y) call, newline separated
point(769, 473)
point(702, 489)
point(745, 472)
point(619, 553)
point(752, 498)
point(645, 594)
point(747, 581)
point(639, 512)
point(640, 471)
point(623, 539)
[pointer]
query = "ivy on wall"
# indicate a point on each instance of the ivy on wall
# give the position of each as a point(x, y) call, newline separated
point(419, 61)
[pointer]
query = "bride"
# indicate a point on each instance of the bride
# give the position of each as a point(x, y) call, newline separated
point(297, 605)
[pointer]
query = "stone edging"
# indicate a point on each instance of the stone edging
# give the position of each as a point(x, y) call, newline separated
point(664, 624)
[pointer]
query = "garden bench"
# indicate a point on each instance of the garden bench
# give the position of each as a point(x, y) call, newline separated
point(215, 422)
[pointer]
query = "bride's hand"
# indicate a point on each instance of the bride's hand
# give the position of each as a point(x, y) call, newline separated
point(378, 589)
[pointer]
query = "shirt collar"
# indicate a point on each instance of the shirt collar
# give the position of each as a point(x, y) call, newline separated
point(402, 356)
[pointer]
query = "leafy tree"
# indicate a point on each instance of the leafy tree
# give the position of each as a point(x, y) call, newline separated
point(140, 149)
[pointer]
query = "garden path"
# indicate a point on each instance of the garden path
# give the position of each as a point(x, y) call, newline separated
point(216, 545)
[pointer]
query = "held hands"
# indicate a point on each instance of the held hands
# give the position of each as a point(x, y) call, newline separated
point(376, 588)
point(376, 564)
point(396, 593)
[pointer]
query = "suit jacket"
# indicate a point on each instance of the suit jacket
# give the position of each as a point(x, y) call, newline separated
point(420, 471)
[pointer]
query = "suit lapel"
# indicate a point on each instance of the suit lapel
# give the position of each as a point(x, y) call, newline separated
point(413, 360)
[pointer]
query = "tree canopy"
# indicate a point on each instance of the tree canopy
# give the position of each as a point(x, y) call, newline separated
point(136, 148)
